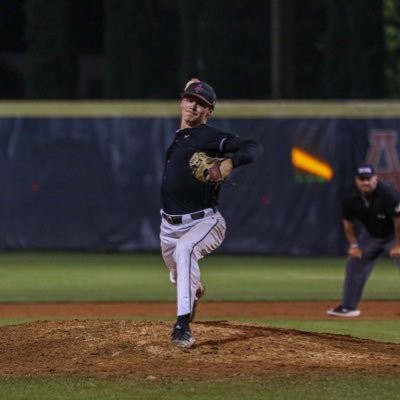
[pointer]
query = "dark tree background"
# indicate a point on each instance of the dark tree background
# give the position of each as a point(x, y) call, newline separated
point(249, 49)
point(52, 56)
point(355, 49)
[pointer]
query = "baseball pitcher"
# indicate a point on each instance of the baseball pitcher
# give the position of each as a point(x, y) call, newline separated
point(198, 161)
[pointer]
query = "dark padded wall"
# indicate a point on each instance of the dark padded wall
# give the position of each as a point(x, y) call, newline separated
point(93, 183)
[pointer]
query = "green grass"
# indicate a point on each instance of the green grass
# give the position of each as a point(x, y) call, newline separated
point(329, 387)
point(283, 278)
point(54, 277)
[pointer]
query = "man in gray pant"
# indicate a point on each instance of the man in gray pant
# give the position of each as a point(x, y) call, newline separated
point(377, 207)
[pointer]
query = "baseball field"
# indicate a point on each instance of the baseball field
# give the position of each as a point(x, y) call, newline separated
point(97, 326)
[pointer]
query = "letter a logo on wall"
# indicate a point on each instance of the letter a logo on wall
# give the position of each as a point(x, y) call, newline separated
point(383, 154)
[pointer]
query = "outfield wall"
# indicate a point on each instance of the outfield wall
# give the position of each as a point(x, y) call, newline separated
point(86, 176)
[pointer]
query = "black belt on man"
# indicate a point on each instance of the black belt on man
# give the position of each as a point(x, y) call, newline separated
point(177, 219)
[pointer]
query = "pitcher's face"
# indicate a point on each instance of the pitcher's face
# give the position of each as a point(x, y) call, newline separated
point(366, 185)
point(194, 112)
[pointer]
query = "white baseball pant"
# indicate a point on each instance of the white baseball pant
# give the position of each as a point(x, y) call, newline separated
point(183, 245)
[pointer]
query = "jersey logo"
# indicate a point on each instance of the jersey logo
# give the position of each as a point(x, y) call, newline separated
point(384, 156)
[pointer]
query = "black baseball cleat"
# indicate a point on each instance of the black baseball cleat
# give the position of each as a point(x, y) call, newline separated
point(341, 311)
point(199, 293)
point(182, 336)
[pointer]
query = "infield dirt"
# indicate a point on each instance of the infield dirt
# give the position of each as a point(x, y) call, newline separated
point(223, 350)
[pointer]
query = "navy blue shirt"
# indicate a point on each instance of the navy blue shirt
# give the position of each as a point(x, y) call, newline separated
point(181, 192)
point(375, 212)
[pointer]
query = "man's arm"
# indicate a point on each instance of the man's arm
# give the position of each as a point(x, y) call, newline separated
point(242, 151)
point(354, 249)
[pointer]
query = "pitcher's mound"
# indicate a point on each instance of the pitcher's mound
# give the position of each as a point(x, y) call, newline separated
point(142, 350)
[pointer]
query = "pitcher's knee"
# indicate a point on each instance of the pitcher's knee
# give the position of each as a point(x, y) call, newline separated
point(186, 245)
point(183, 249)
point(194, 253)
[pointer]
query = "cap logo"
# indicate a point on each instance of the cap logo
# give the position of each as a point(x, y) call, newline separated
point(198, 88)
point(364, 170)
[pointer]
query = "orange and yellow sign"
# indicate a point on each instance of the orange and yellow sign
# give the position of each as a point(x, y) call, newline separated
point(309, 163)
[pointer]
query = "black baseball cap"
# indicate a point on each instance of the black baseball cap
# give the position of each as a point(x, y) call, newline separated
point(202, 91)
point(365, 171)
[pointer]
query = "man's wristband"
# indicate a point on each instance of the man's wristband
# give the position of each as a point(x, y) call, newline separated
point(353, 245)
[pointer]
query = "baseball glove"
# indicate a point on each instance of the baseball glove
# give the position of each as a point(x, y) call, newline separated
point(205, 168)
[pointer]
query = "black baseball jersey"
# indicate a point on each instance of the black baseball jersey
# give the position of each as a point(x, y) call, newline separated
point(181, 192)
point(375, 212)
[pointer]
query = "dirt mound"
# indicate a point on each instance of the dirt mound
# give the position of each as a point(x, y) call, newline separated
point(223, 350)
